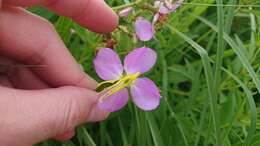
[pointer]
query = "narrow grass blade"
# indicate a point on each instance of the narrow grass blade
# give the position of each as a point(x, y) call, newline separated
point(154, 130)
point(63, 27)
point(123, 134)
point(220, 49)
point(85, 136)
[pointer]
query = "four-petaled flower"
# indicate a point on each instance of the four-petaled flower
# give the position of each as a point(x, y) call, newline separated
point(145, 93)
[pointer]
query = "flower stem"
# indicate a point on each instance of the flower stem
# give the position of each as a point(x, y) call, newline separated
point(127, 5)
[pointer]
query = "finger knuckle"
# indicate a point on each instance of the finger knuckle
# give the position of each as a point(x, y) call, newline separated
point(73, 113)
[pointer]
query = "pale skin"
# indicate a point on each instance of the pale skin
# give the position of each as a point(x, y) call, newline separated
point(48, 101)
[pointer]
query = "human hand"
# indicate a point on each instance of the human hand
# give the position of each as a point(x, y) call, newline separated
point(48, 101)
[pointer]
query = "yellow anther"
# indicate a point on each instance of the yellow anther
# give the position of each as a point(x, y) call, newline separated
point(120, 84)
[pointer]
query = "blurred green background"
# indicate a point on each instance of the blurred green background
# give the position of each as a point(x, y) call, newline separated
point(207, 71)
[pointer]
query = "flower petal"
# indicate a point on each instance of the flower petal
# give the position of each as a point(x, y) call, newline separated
point(155, 18)
point(174, 7)
point(145, 94)
point(115, 101)
point(161, 7)
point(108, 64)
point(140, 60)
point(157, 3)
point(144, 29)
point(125, 12)
point(164, 10)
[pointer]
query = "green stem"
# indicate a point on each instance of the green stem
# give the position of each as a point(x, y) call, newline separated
point(194, 4)
point(216, 5)
point(127, 5)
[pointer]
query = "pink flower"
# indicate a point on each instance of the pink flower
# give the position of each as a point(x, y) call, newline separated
point(144, 29)
point(145, 93)
point(166, 6)
point(125, 12)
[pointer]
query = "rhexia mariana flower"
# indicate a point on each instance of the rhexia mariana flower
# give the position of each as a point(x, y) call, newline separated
point(144, 29)
point(167, 6)
point(144, 92)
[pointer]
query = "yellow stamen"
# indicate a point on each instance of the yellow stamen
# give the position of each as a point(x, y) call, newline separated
point(105, 82)
point(120, 84)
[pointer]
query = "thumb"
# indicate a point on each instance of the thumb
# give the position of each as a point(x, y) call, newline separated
point(33, 116)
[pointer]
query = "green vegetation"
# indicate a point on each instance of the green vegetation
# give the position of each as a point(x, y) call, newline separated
point(207, 70)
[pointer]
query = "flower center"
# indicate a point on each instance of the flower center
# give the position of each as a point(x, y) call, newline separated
point(118, 85)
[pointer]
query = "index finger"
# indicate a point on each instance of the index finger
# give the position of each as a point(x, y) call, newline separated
point(96, 15)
